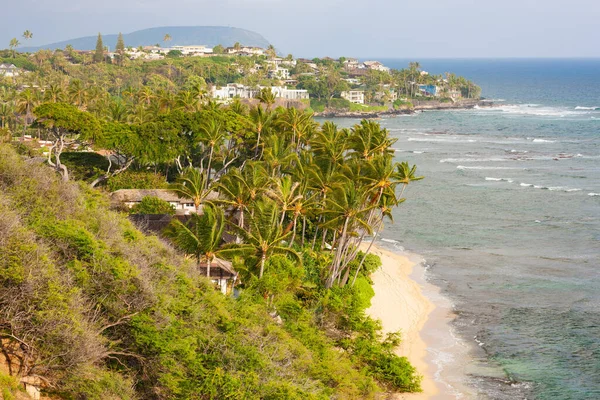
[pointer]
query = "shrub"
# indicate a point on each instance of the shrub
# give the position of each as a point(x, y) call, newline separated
point(152, 205)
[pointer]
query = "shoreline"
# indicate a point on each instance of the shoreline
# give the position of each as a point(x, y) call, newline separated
point(405, 301)
point(425, 106)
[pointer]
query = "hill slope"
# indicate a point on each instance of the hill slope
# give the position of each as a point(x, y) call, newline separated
point(181, 35)
point(95, 309)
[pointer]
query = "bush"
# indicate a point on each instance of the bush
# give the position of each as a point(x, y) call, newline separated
point(152, 205)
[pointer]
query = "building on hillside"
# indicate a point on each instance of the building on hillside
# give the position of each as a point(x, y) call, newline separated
point(376, 66)
point(195, 50)
point(281, 92)
point(234, 90)
point(351, 63)
point(386, 95)
point(279, 73)
point(222, 274)
point(9, 70)
point(246, 51)
point(354, 96)
point(352, 81)
point(454, 94)
point(182, 206)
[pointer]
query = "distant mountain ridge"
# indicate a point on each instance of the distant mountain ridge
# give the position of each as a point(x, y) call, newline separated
point(180, 35)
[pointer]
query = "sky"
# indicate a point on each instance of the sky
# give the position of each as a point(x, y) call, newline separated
point(351, 28)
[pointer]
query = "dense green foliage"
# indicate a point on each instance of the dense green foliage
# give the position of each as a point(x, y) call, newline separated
point(112, 313)
point(152, 205)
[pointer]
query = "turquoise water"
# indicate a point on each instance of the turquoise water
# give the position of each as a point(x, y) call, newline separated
point(508, 219)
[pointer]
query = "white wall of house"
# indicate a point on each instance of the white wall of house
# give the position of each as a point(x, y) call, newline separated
point(354, 96)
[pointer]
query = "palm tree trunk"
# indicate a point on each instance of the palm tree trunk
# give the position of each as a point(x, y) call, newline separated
point(208, 267)
point(367, 252)
point(208, 168)
point(303, 229)
point(293, 234)
point(262, 265)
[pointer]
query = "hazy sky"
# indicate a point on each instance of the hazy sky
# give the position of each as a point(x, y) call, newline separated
point(309, 28)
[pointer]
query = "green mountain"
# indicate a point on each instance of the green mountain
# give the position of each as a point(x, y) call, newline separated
point(180, 35)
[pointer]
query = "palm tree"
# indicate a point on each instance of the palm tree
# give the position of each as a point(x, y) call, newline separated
point(212, 135)
point(14, 43)
point(192, 184)
point(285, 193)
point(271, 52)
point(346, 209)
point(234, 192)
point(261, 120)
point(26, 102)
point(54, 93)
point(202, 236)
point(267, 97)
point(7, 112)
point(77, 93)
point(27, 34)
point(405, 174)
point(264, 236)
point(167, 38)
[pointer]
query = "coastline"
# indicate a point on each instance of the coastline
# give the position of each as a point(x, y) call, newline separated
point(405, 301)
point(422, 106)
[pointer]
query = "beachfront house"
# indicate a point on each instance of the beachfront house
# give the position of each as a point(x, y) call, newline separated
point(131, 197)
point(354, 96)
point(429, 90)
point(236, 90)
point(9, 70)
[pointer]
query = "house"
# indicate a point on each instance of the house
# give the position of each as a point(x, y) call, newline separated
point(246, 51)
point(195, 50)
point(354, 96)
point(9, 70)
point(376, 66)
point(351, 63)
point(429, 90)
point(352, 81)
point(233, 90)
point(281, 92)
point(131, 197)
point(279, 73)
point(221, 273)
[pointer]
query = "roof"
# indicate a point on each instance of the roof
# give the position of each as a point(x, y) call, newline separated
point(219, 268)
point(8, 66)
point(136, 195)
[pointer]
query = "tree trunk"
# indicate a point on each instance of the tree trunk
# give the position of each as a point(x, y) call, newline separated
point(208, 267)
point(367, 252)
point(262, 265)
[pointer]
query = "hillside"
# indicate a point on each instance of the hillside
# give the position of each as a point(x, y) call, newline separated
point(181, 35)
point(92, 308)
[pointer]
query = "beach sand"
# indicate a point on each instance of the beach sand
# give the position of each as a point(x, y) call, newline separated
point(400, 304)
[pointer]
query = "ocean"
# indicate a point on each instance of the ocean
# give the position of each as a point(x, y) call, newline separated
point(508, 221)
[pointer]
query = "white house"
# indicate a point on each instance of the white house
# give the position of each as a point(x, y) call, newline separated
point(281, 92)
point(354, 96)
point(376, 65)
point(233, 90)
point(9, 70)
point(351, 63)
point(279, 73)
point(195, 50)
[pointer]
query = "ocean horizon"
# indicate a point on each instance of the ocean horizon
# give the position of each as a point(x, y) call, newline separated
point(508, 220)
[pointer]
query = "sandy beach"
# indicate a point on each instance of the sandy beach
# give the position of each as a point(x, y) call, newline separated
point(401, 305)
